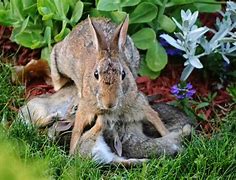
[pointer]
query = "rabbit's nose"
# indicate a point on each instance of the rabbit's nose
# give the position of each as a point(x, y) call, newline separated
point(110, 105)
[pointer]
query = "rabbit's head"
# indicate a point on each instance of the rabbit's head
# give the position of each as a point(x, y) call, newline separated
point(110, 71)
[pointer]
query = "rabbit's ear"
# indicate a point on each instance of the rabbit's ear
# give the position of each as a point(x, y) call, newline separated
point(120, 34)
point(99, 39)
point(118, 145)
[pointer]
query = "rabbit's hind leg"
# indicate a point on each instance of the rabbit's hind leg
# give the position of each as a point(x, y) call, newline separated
point(153, 117)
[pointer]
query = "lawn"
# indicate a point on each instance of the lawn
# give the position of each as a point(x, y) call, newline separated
point(26, 153)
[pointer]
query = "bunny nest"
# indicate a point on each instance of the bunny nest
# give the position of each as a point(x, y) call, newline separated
point(56, 114)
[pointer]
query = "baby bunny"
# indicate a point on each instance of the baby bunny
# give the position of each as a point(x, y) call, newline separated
point(94, 56)
point(100, 151)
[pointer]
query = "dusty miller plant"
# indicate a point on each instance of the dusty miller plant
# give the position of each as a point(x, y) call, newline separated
point(191, 37)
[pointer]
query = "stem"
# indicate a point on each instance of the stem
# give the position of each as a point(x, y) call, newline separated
point(200, 55)
point(162, 10)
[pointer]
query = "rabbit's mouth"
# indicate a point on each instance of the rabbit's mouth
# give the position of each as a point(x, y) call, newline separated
point(109, 108)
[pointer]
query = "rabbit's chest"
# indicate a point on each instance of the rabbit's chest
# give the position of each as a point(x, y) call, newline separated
point(128, 115)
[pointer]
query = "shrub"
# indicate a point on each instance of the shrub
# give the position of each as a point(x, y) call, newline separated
point(41, 23)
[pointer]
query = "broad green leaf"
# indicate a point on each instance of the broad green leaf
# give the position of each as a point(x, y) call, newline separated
point(115, 16)
point(72, 2)
point(46, 7)
point(77, 13)
point(62, 8)
point(157, 2)
point(16, 8)
point(145, 71)
point(126, 3)
point(167, 24)
point(156, 57)
point(145, 38)
point(6, 19)
point(47, 16)
point(208, 6)
point(28, 3)
point(143, 13)
point(30, 40)
point(44, 10)
point(181, 2)
point(29, 7)
point(105, 5)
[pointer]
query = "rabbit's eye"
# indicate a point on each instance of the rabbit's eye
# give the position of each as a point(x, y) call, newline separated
point(96, 74)
point(123, 75)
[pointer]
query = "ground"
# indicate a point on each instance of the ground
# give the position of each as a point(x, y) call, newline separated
point(28, 154)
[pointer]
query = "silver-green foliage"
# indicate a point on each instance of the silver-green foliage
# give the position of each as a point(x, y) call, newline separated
point(148, 18)
point(191, 37)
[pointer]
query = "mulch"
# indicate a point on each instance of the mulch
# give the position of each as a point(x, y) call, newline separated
point(158, 88)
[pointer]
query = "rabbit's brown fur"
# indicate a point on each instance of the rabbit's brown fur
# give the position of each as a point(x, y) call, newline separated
point(139, 139)
point(93, 57)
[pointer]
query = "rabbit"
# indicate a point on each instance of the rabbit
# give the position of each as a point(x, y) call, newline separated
point(99, 150)
point(92, 56)
point(139, 140)
point(45, 109)
point(138, 146)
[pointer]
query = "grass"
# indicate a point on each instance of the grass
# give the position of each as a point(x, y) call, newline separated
point(27, 154)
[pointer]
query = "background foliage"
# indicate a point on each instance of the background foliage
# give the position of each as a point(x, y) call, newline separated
point(41, 23)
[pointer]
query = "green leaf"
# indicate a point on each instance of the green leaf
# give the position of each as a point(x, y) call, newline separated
point(105, 5)
point(201, 105)
point(30, 7)
point(62, 9)
point(145, 71)
point(167, 24)
point(47, 17)
point(16, 8)
point(181, 2)
point(115, 16)
point(46, 8)
point(156, 57)
point(24, 24)
point(144, 38)
point(77, 13)
point(45, 54)
point(157, 2)
point(64, 31)
point(28, 3)
point(30, 40)
point(143, 13)
point(126, 3)
point(207, 6)
point(6, 19)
